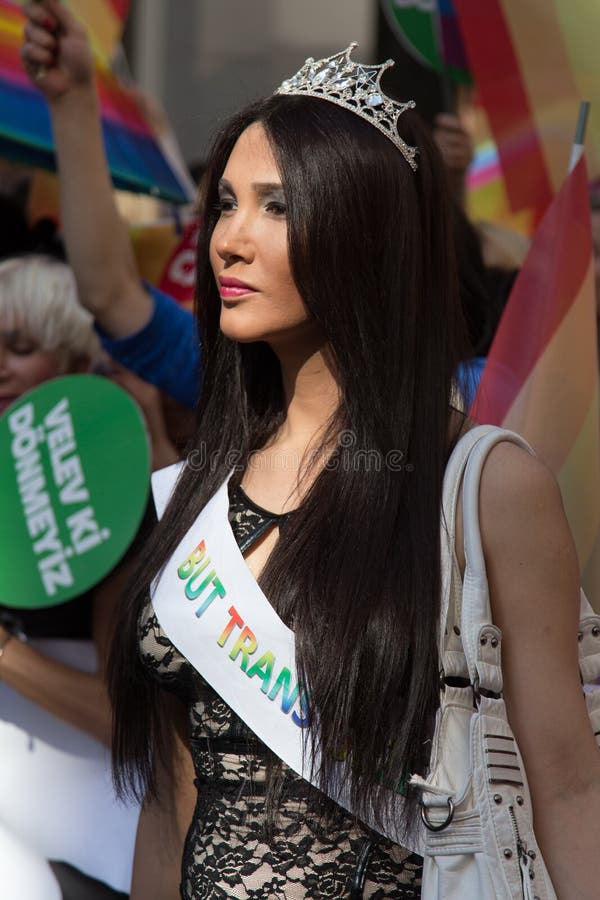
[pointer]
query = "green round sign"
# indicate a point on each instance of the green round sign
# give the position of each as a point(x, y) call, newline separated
point(74, 479)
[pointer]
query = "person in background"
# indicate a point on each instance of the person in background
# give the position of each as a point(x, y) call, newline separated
point(45, 333)
point(55, 658)
point(502, 248)
point(139, 326)
point(488, 256)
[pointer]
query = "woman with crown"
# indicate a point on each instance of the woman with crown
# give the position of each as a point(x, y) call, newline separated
point(288, 602)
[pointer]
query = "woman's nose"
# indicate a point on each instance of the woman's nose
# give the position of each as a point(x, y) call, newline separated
point(233, 238)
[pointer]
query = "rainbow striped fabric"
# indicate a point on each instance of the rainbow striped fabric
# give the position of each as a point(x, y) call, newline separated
point(486, 196)
point(541, 376)
point(533, 63)
point(104, 21)
point(134, 156)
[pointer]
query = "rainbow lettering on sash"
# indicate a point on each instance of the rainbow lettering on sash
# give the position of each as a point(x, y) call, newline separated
point(204, 585)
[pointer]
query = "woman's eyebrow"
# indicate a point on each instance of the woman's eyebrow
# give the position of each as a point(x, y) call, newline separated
point(267, 187)
point(260, 187)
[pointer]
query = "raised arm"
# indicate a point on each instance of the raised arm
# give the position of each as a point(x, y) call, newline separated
point(533, 575)
point(57, 56)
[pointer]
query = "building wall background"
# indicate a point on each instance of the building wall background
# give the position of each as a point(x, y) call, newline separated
point(204, 59)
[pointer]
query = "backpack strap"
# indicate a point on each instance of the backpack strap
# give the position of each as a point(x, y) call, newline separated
point(452, 483)
point(476, 615)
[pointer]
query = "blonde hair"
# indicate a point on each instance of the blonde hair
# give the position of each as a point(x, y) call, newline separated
point(38, 295)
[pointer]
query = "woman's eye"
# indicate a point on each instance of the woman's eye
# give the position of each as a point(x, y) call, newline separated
point(277, 208)
point(224, 204)
point(22, 348)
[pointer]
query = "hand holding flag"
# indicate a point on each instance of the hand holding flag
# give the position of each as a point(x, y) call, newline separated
point(136, 161)
point(52, 32)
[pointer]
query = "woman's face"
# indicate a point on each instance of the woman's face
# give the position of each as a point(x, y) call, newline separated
point(23, 365)
point(249, 252)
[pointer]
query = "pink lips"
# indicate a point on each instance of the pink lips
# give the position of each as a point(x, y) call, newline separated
point(232, 288)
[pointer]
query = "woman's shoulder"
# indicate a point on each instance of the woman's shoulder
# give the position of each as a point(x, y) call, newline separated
point(515, 482)
point(511, 472)
point(522, 517)
point(520, 504)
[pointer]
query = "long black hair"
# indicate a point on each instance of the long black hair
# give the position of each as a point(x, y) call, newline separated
point(356, 571)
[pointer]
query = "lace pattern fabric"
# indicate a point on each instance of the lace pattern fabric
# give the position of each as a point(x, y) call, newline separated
point(229, 851)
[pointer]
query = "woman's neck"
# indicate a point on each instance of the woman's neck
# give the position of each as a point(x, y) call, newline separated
point(311, 396)
point(282, 471)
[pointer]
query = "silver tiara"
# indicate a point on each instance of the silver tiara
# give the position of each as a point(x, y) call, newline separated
point(355, 87)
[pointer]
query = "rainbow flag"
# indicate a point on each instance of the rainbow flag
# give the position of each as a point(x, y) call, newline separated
point(487, 197)
point(541, 376)
point(104, 21)
point(134, 156)
point(533, 63)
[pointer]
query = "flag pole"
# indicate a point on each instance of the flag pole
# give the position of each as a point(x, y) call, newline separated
point(579, 140)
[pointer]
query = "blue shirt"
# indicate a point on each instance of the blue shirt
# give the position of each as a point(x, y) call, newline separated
point(165, 352)
point(468, 377)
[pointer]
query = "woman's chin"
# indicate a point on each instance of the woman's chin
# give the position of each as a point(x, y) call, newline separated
point(278, 332)
point(243, 335)
point(246, 329)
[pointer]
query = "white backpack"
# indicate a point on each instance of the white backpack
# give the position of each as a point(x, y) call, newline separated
point(476, 808)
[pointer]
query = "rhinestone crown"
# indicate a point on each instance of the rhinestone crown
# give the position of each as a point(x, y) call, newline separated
point(355, 87)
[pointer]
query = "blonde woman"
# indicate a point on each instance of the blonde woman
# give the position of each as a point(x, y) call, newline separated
point(55, 723)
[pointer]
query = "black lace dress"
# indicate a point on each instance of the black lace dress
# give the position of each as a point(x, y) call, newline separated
point(229, 851)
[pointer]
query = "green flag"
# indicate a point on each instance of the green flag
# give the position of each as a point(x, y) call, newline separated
point(74, 478)
point(416, 25)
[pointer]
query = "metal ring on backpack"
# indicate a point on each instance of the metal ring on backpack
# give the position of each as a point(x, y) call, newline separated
point(443, 824)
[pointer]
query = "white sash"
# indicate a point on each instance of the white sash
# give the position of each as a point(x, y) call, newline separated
point(209, 604)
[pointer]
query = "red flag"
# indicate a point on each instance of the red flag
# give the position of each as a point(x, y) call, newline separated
point(541, 376)
point(503, 93)
point(179, 276)
point(533, 62)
